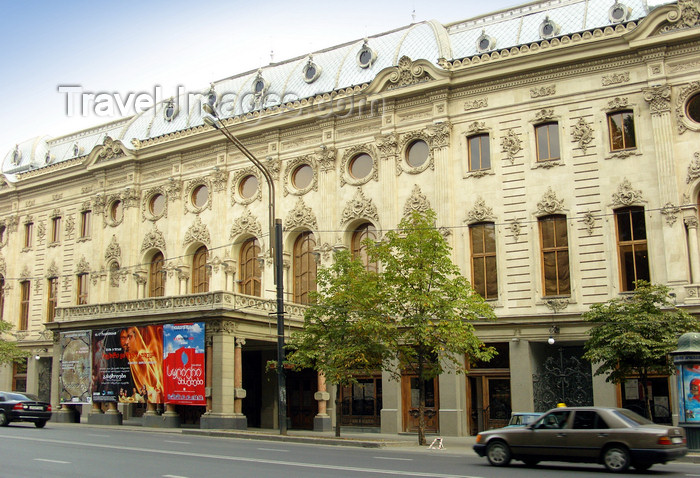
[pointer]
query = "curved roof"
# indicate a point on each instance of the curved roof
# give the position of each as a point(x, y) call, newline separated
point(337, 68)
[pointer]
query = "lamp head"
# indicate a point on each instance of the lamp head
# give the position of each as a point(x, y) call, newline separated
point(209, 120)
point(208, 108)
point(550, 340)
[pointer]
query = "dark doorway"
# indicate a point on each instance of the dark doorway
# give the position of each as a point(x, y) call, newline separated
point(252, 384)
point(301, 404)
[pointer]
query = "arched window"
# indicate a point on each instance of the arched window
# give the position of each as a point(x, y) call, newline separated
point(200, 278)
point(156, 278)
point(250, 268)
point(359, 250)
point(304, 267)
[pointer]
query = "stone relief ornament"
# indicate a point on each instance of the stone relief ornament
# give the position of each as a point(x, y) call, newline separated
point(511, 145)
point(407, 73)
point(274, 166)
point(325, 251)
point(359, 207)
point(289, 169)
point(350, 154)
point(583, 134)
point(476, 104)
point(691, 222)
point(146, 213)
point(480, 212)
point(97, 275)
point(670, 212)
point(173, 189)
point(326, 157)
point(683, 122)
point(197, 232)
point(52, 271)
point(3, 266)
point(25, 274)
point(693, 169)
point(589, 221)
point(556, 305)
point(439, 135)
point(236, 197)
point(543, 91)
point(246, 223)
point(41, 231)
point(625, 195)
point(114, 252)
point(550, 203)
point(687, 16)
point(153, 240)
point(618, 103)
point(300, 216)
point(83, 266)
point(388, 145)
point(544, 115)
point(189, 190)
point(405, 140)
point(219, 178)
point(70, 226)
point(476, 127)
point(659, 98)
point(515, 228)
point(417, 201)
point(110, 149)
point(616, 78)
point(12, 223)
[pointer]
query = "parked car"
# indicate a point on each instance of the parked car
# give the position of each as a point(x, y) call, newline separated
point(521, 419)
point(23, 407)
point(615, 437)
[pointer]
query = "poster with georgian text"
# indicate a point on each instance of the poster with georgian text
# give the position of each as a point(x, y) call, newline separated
point(74, 374)
point(184, 364)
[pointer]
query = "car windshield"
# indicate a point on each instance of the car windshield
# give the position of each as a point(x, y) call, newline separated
point(631, 418)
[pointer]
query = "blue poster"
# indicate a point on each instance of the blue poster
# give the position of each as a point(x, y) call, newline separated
point(689, 390)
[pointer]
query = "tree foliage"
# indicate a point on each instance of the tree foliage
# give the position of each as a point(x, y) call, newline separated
point(414, 316)
point(633, 335)
point(9, 351)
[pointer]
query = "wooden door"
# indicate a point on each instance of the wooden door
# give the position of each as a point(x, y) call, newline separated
point(301, 405)
point(409, 399)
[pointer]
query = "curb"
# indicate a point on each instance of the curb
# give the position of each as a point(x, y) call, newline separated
point(296, 439)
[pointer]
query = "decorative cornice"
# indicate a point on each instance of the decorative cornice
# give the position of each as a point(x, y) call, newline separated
point(480, 212)
point(550, 203)
point(300, 216)
point(246, 223)
point(417, 201)
point(626, 196)
point(197, 232)
point(407, 73)
point(359, 207)
point(153, 240)
point(114, 252)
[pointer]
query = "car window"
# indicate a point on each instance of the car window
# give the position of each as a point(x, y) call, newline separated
point(17, 396)
point(589, 420)
point(631, 418)
point(553, 420)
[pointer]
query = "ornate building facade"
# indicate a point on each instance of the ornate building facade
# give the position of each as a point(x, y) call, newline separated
point(557, 142)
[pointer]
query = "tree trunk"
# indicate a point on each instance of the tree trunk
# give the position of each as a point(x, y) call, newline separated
point(421, 403)
point(338, 411)
point(645, 396)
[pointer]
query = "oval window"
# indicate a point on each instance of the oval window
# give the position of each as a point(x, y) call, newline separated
point(361, 166)
point(302, 176)
point(248, 186)
point(157, 204)
point(484, 44)
point(259, 86)
point(116, 211)
point(310, 72)
point(693, 109)
point(417, 153)
point(200, 196)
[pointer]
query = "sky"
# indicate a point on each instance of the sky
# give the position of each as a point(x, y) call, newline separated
point(133, 46)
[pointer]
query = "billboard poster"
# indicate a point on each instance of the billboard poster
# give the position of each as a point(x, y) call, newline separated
point(74, 374)
point(128, 364)
point(689, 392)
point(184, 365)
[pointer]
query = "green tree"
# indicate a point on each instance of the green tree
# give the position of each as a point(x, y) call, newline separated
point(430, 303)
point(9, 351)
point(343, 336)
point(633, 335)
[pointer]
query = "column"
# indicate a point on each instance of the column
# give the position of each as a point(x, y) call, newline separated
point(521, 371)
point(452, 401)
point(391, 404)
point(322, 421)
point(141, 278)
point(222, 414)
point(239, 392)
point(693, 290)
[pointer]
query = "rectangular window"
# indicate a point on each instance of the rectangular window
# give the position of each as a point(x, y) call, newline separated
point(632, 246)
point(56, 229)
point(52, 300)
point(555, 255)
point(82, 289)
point(479, 152)
point(483, 247)
point(19, 375)
point(621, 126)
point(85, 223)
point(24, 305)
point(28, 233)
point(547, 142)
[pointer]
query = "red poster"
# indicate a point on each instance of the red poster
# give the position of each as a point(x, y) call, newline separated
point(183, 363)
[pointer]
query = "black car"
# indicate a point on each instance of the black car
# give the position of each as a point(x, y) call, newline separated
point(23, 407)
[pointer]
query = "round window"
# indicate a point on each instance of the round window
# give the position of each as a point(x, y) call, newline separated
point(365, 58)
point(157, 204)
point(116, 211)
point(484, 44)
point(361, 166)
point(259, 86)
point(618, 13)
point(248, 186)
point(547, 29)
point(310, 72)
point(693, 108)
point(417, 153)
point(200, 196)
point(302, 176)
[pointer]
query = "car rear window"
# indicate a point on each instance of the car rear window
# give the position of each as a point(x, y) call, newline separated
point(631, 418)
point(18, 396)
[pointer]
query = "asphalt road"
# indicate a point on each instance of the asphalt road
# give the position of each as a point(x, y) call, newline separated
point(79, 451)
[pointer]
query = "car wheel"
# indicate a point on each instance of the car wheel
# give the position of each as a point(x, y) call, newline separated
point(498, 453)
point(40, 424)
point(531, 462)
point(3, 420)
point(616, 458)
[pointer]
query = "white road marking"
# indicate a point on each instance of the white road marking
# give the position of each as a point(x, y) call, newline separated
point(178, 442)
point(273, 449)
point(174, 476)
point(53, 461)
point(246, 459)
point(390, 458)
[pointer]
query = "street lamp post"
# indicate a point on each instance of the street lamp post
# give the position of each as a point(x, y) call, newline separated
point(275, 231)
